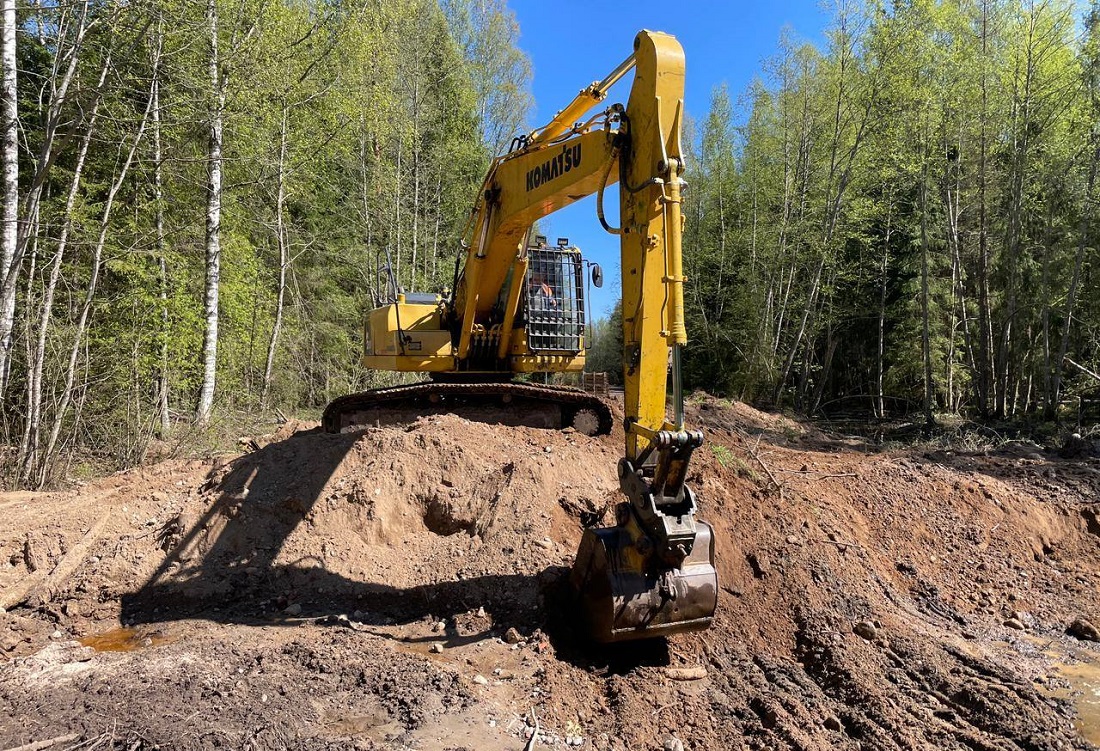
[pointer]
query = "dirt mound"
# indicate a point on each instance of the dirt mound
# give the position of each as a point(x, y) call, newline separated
point(401, 588)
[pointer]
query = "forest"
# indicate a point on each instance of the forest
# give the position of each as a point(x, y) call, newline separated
point(904, 221)
point(204, 196)
point(200, 200)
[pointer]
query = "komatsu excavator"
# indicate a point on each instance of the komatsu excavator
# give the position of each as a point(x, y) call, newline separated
point(518, 307)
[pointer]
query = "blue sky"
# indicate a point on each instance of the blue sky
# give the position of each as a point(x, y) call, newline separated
point(573, 43)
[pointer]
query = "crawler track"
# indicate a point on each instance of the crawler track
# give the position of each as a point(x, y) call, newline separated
point(506, 403)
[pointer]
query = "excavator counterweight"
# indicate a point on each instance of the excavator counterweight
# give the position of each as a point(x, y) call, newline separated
point(518, 307)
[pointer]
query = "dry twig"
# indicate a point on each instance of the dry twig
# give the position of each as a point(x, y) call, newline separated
point(48, 743)
point(534, 734)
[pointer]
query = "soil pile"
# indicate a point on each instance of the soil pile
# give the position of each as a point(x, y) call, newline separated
point(401, 588)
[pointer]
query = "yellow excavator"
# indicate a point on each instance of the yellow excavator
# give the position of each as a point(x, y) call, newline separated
point(518, 307)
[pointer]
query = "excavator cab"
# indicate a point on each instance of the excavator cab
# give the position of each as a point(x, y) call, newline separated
point(554, 300)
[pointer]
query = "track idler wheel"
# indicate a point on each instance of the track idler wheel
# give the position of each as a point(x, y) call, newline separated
point(625, 592)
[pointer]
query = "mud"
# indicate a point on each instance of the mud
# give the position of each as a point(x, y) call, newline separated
point(361, 591)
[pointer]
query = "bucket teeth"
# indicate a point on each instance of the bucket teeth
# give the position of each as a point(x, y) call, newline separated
point(625, 592)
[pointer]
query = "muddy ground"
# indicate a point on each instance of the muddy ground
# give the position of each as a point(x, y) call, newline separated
point(399, 588)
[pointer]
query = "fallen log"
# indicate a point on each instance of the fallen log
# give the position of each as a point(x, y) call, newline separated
point(40, 587)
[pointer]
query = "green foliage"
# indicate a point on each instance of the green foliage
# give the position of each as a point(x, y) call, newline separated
point(366, 115)
point(902, 213)
point(605, 346)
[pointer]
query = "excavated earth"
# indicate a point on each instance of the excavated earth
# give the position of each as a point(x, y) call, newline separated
point(401, 588)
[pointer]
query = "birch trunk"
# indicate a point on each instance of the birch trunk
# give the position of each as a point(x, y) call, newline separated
point(61, 76)
point(213, 224)
point(9, 114)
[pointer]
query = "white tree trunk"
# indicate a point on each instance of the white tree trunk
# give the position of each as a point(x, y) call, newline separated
point(213, 225)
point(10, 156)
point(61, 76)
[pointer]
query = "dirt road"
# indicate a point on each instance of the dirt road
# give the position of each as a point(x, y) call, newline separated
point(401, 589)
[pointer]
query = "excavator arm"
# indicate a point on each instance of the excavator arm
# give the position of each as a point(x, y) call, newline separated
point(652, 572)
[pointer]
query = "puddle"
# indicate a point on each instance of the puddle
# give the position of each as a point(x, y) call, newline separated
point(1084, 691)
point(124, 640)
point(1076, 673)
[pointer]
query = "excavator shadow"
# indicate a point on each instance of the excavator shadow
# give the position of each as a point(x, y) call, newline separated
point(228, 565)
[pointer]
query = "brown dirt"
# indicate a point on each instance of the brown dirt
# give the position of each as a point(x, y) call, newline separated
point(294, 597)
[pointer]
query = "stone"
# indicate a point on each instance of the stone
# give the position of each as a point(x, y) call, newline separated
point(832, 722)
point(439, 627)
point(513, 636)
point(1014, 623)
point(293, 609)
point(437, 648)
point(672, 743)
point(481, 680)
point(866, 629)
point(691, 673)
point(1083, 629)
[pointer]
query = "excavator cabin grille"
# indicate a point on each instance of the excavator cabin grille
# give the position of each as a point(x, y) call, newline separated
point(555, 300)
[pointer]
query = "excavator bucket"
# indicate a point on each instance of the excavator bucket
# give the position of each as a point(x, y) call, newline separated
point(626, 593)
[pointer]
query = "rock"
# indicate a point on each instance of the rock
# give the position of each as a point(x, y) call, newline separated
point(513, 636)
point(1014, 623)
point(693, 673)
point(57, 635)
point(545, 543)
point(793, 540)
point(293, 609)
point(437, 648)
point(832, 722)
point(672, 743)
point(906, 567)
point(866, 629)
point(439, 627)
point(1083, 630)
point(480, 679)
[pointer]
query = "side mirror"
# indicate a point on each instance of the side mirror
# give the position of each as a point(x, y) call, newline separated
point(597, 276)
